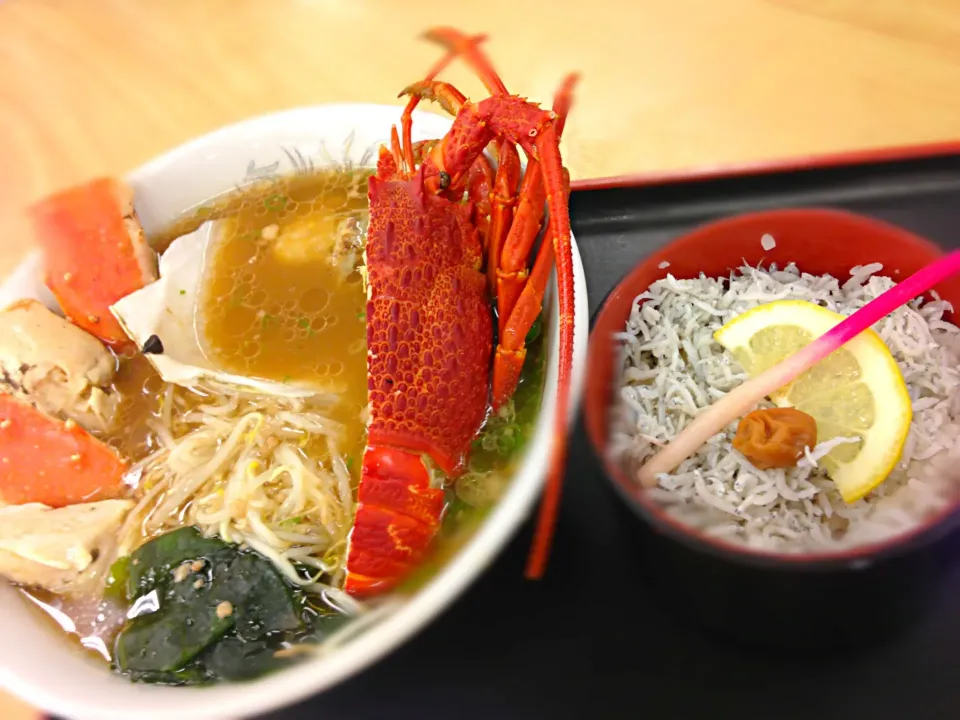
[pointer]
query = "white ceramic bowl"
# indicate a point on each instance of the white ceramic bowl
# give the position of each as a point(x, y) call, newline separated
point(42, 667)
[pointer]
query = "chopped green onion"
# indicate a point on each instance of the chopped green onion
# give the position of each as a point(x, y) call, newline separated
point(535, 329)
point(276, 202)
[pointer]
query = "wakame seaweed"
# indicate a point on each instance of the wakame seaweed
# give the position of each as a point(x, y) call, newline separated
point(212, 612)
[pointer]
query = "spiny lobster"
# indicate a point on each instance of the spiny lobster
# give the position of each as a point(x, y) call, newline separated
point(439, 213)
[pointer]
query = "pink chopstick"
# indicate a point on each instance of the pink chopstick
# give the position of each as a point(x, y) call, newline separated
point(743, 398)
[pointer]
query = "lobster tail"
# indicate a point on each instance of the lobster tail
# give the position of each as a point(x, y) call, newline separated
point(398, 515)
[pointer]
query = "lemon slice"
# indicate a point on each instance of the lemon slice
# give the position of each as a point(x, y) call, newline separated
point(856, 392)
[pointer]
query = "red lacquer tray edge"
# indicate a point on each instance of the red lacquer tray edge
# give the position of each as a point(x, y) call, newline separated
point(768, 167)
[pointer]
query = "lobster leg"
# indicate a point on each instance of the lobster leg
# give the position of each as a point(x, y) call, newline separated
point(406, 118)
point(525, 124)
point(512, 270)
point(529, 217)
point(533, 129)
point(480, 189)
point(421, 207)
point(506, 265)
point(513, 276)
point(511, 353)
point(480, 180)
point(468, 48)
point(504, 199)
point(548, 146)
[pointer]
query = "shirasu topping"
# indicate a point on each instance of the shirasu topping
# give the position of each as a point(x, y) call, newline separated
point(670, 368)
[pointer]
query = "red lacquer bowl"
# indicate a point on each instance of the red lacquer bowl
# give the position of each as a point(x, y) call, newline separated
point(820, 242)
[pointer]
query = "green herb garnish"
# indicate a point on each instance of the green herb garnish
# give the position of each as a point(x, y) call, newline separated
point(276, 202)
point(535, 329)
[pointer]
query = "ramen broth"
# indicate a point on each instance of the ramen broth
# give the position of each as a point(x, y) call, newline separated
point(283, 299)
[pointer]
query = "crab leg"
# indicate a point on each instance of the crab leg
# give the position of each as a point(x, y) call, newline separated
point(54, 462)
point(95, 253)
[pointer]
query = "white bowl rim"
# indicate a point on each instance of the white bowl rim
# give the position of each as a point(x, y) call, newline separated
point(245, 699)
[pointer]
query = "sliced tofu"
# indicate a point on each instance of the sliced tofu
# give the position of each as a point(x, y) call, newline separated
point(56, 366)
point(95, 253)
point(49, 548)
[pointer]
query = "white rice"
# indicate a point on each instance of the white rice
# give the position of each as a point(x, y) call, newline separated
point(671, 368)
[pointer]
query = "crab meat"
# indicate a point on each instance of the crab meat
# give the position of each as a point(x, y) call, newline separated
point(49, 548)
point(53, 462)
point(95, 253)
point(56, 366)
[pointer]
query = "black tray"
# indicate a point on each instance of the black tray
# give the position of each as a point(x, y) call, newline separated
point(593, 639)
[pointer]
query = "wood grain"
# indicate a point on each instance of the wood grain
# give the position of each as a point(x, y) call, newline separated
point(100, 86)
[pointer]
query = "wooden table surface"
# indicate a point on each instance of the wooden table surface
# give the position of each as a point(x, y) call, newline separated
point(100, 86)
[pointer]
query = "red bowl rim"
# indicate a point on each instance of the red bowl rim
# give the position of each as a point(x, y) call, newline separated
point(596, 420)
